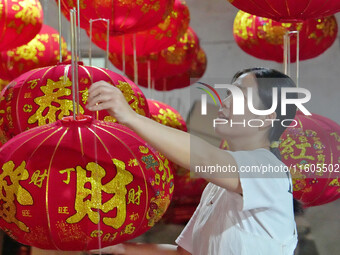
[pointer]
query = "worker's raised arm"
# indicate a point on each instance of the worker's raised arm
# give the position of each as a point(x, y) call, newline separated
point(172, 143)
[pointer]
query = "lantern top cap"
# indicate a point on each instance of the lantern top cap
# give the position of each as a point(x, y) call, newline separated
point(79, 121)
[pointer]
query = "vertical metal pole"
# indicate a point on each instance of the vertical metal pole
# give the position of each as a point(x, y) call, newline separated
point(78, 29)
point(285, 52)
point(287, 55)
point(73, 62)
point(107, 40)
point(76, 43)
point(60, 32)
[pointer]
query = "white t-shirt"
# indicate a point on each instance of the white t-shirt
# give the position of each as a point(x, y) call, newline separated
point(261, 222)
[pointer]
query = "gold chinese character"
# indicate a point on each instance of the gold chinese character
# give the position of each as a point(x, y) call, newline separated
point(109, 237)
point(96, 233)
point(129, 229)
point(10, 189)
point(134, 197)
point(56, 106)
point(134, 216)
point(84, 95)
point(63, 210)
point(288, 149)
point(26, 213)
point(133, 162)
point(68, 171)
point(89, 200)
point(33, 83)
point(28, 95)
point(37, 178)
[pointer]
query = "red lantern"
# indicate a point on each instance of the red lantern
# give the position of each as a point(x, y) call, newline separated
point(171, 61)
point(20, 21)
point(196, 71)
point(188, 190)
point(124, 16)
point(166, 115)
point(43, 96)
point(81, 184)
point(288, 10)
point(155, 39)
point(312, 151)
point(263, 38)
point(42, 51)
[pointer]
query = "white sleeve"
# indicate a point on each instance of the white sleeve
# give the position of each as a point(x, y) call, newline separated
point(184, 240)
point(259, 190)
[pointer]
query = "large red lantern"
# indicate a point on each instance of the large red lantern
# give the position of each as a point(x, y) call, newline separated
point(20, 21)
point(168, 62)
point(188, 190)
point(155, 39)
point(264, 38)
point(124, 16)
point(80, 185)
point(312, 151)
point(43, 96)
point(42, 51)
point(182, 80)
point(288, 10)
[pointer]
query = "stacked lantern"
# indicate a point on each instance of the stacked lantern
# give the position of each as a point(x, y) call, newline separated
point(111, 186)
point(124, 16)
point(155, 39)
point(43, 96)
point(288, 11)
point(165, 63)
point(176, 59)
point(312, 151)
point(42, 51)
point(188, 190)
point(263, 37)
point(20, 21)
point(183, 79)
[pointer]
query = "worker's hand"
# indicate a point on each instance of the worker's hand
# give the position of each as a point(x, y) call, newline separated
point(104, 96)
